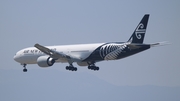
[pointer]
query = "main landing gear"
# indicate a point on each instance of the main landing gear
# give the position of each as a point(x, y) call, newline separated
point(71, 68)
point(24, 70)
point(93, 67)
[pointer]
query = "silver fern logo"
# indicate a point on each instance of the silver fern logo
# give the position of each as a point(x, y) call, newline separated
point(140, 30)
point(111, 51)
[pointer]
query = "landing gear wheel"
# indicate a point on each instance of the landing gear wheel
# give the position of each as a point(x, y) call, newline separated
point(75, 69)
point(24, 70)
point(89, 67)
point(71, 68)
point(67, 67)
point(93, 68)
point(97, 68)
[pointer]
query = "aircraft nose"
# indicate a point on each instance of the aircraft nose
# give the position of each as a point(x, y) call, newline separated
point(16, 57)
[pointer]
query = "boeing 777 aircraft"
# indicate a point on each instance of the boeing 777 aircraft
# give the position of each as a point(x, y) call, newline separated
point(85, 54)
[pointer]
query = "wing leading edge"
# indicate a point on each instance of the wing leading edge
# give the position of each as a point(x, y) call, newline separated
point(55, 54)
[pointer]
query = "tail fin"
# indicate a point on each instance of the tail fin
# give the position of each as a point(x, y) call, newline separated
point(139, 33)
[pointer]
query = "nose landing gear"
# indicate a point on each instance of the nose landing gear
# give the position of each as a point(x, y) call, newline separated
point(24, 70)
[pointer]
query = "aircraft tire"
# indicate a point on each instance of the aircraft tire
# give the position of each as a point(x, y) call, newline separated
point(71, 68)
point(97, 68)
point(67, 67)
point(75, 69)
point(24, 70)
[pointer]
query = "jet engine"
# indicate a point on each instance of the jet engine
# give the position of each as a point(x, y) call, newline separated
point(45, 61)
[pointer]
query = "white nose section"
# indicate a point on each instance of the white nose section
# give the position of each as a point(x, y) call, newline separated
point(15, 58)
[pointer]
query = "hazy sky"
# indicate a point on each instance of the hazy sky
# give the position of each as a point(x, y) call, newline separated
point(55, 22)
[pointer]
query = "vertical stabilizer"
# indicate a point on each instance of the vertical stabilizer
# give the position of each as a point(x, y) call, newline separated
point(139, 33)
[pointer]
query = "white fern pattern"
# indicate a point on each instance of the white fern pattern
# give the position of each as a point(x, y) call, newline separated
point(111, 51)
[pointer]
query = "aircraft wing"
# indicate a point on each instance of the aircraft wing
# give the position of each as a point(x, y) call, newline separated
point(55, 54)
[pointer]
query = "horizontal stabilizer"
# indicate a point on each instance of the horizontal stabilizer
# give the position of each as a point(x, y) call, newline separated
point(159, 44)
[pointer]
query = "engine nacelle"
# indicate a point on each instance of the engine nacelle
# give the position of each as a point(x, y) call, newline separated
point(45, 61)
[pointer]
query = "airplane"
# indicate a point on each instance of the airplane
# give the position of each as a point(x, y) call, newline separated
point(85, 54)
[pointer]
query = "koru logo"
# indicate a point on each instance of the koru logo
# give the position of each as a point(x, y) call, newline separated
point(140, 30)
